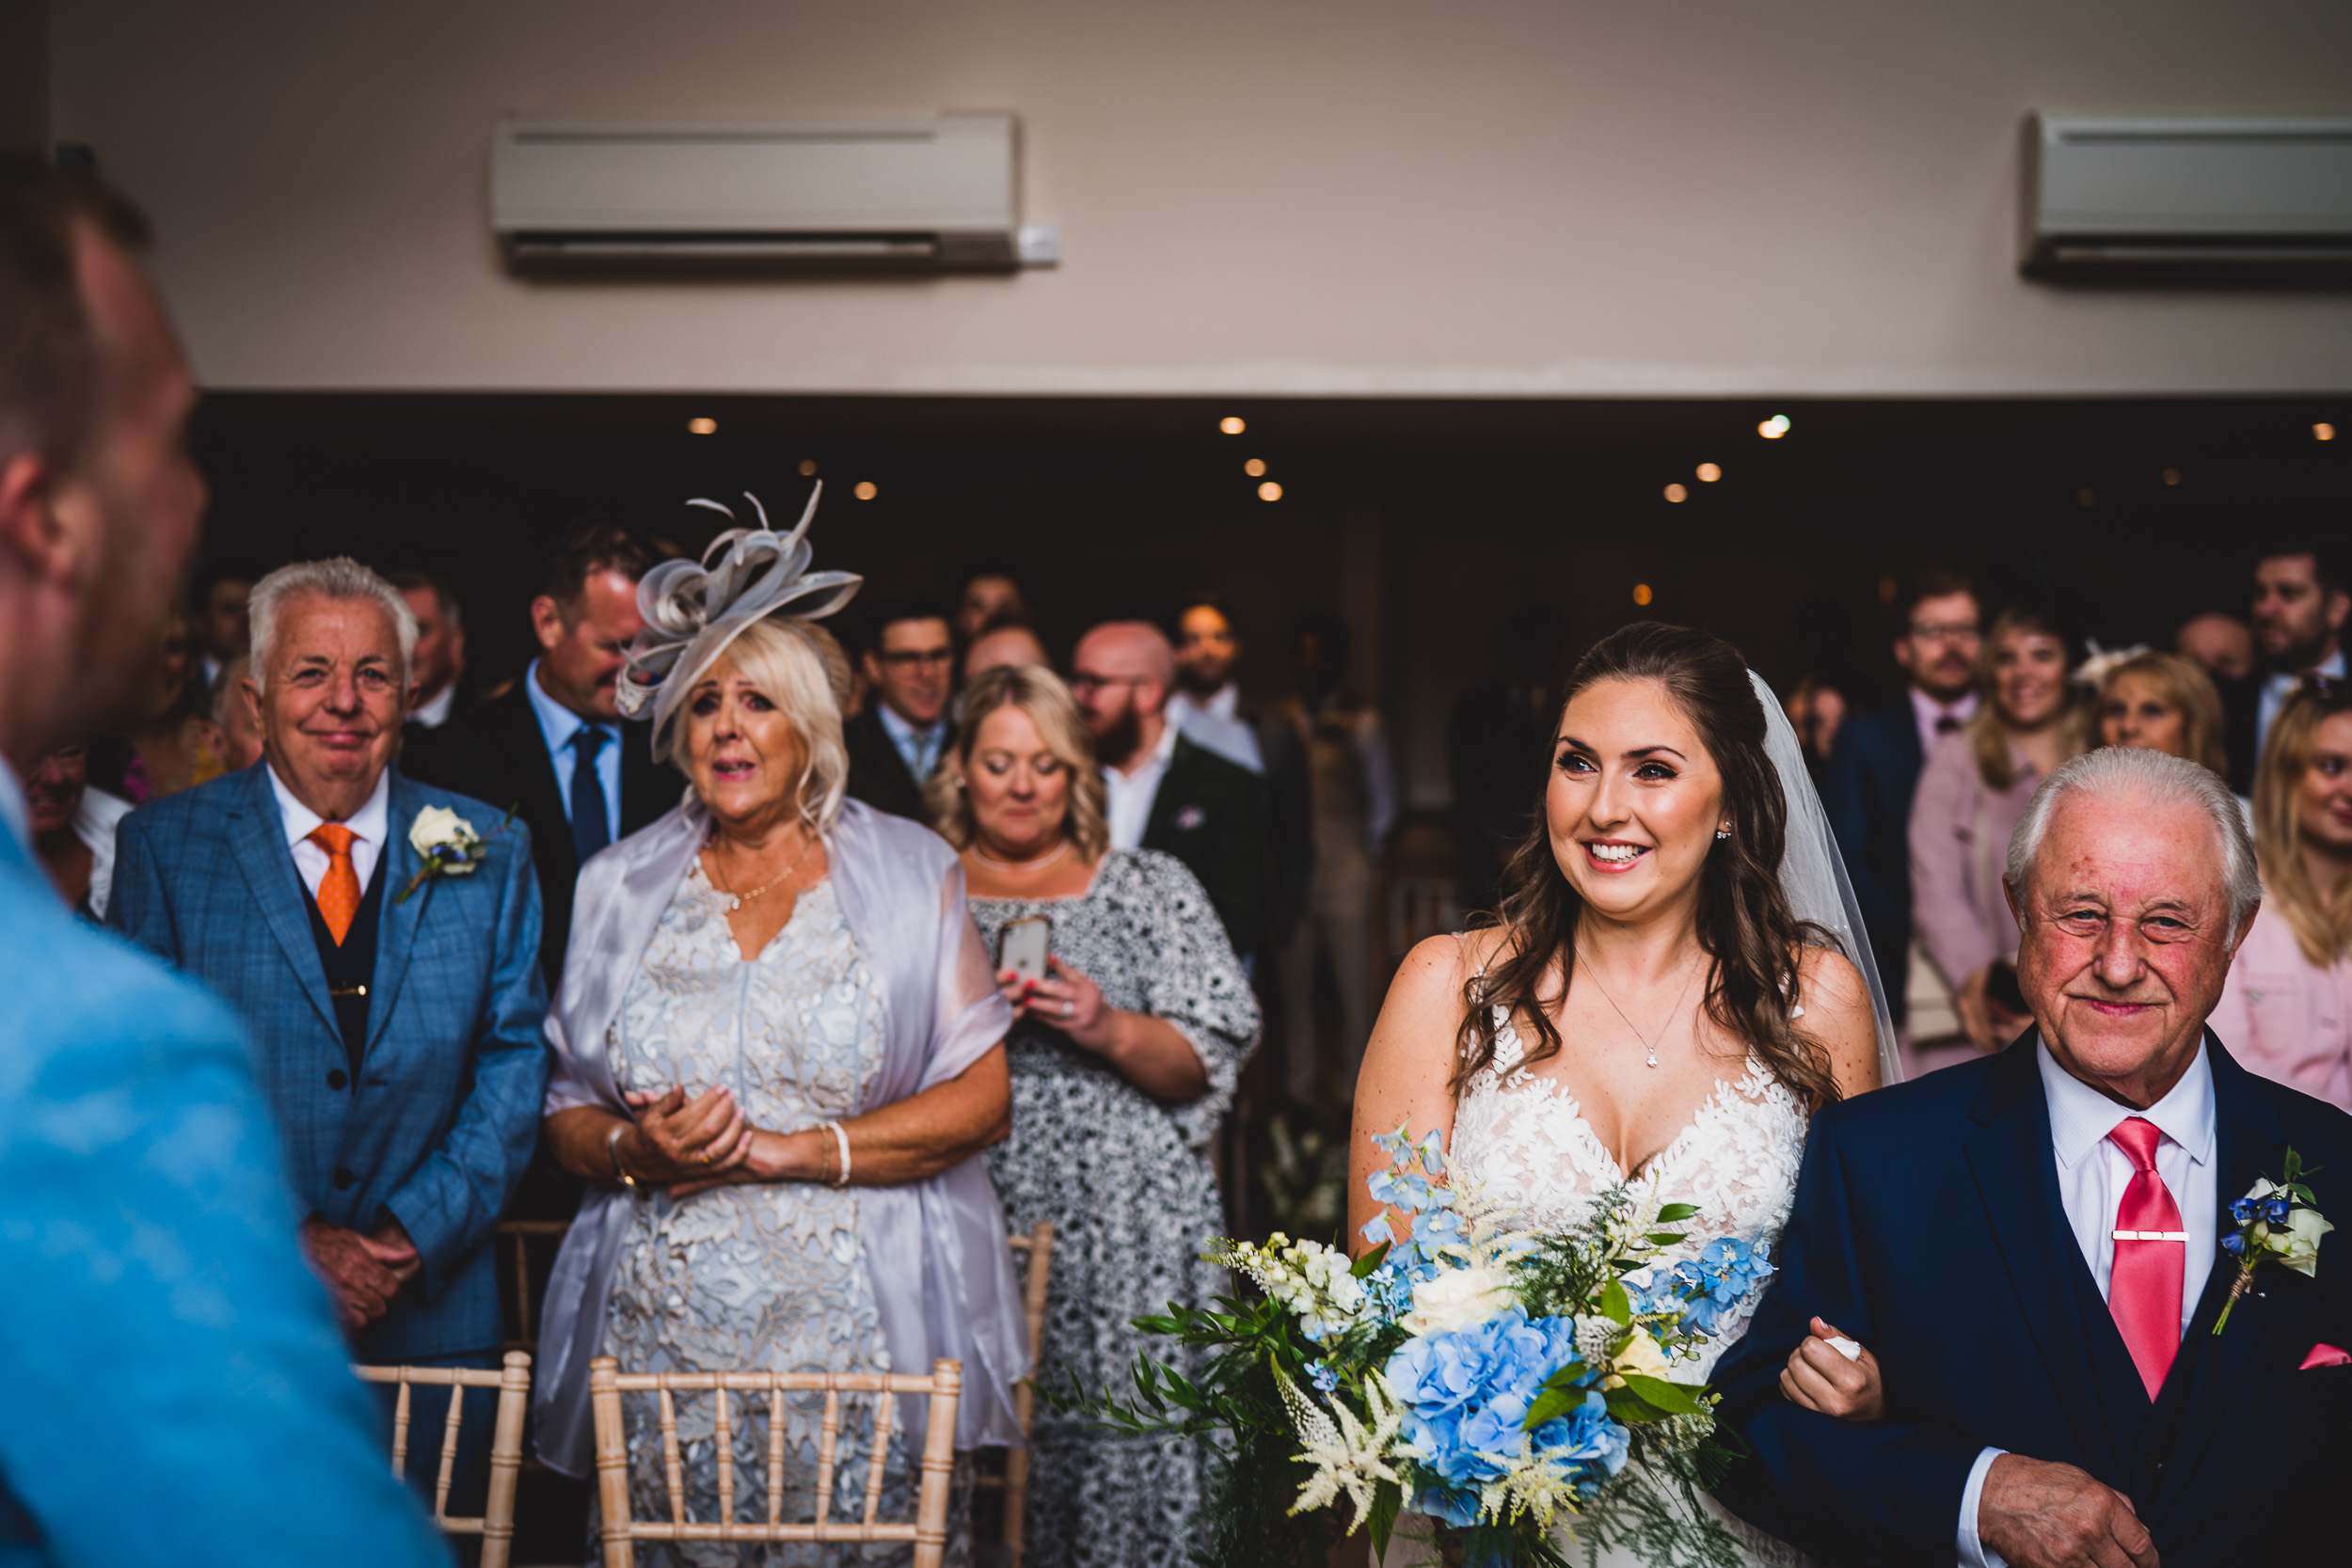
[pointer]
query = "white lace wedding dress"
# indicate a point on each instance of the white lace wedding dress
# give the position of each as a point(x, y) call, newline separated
point(1520, 1143)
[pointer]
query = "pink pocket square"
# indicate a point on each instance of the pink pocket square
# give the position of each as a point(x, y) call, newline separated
point(2325, 1355)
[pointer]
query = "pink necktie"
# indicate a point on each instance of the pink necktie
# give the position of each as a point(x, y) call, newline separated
point(2150, 1252)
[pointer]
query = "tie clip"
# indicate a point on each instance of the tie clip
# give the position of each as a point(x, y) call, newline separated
point(362, 991)
point(2151, 1235)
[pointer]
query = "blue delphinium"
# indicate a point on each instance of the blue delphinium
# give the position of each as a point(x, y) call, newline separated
point(1714, 1285)
point(1322, 1376)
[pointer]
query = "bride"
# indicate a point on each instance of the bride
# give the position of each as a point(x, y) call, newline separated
point(1664, 999)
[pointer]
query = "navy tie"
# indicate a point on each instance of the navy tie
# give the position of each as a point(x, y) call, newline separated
point(591, 829)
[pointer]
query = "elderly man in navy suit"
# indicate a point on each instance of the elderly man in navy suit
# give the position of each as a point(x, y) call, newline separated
point(180, 1392)
point(395, 993)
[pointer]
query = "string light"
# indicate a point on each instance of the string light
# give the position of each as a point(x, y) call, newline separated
point(1773, 428)
point(1255, 467)
point(1269, 491)
point(702, 426)
point(1641, 593)
point(2173, 476)
point(865, 490)
point(2323, 431)
point(1677, 493)
point(1232, 424)
point(808, 468)
point(1710, 473)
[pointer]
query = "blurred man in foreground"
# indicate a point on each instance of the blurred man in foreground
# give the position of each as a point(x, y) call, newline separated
point(194, 1404)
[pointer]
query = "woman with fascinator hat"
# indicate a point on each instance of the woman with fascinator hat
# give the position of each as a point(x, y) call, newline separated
point(779, 1053)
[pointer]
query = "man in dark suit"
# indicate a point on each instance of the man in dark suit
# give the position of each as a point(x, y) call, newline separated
point(895, 742)
point(2031, 1246)
point(2302, 596)
point(1874, 767)
point(438, 673)
point(1161, 791)
point(555, 748)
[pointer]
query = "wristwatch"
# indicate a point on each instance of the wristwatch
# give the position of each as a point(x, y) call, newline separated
point(613, 1147)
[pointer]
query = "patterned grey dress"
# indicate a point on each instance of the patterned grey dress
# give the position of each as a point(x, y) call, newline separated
point(768, 1277)
point(1126, 1182)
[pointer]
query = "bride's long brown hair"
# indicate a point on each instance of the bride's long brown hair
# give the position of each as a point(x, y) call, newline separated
point(1745, 926)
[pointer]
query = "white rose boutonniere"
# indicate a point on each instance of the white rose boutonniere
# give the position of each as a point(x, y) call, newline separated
point(2277, 1221)
point(448, 845)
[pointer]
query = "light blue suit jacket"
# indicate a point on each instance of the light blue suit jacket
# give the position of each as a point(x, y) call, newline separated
point(176, 1390)
point(440, 1127)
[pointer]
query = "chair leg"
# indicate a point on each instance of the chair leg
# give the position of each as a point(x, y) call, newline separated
point(506, 1461)
point(604, 1394)
point(1016, 1502)
point(939, 1464)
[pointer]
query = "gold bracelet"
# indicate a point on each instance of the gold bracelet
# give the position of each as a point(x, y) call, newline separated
point(613, 1147)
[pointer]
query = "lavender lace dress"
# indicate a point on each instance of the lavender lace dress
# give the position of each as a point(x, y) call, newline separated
point(1126, 1180)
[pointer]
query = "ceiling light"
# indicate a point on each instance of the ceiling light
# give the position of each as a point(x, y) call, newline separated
point(2323, 431)
point(2173, 476)
point(1269, 491)
point(1254, 467)
point(865, 491)
point(1677, 493)
point(1710, 473)
point(808, 468)
point(1773, 428)
point(2085, 497)
point(703, 426)
point(1231, 424)
point(1641, 593)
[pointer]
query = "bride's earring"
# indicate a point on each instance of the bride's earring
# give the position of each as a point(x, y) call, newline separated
point(1723, 831)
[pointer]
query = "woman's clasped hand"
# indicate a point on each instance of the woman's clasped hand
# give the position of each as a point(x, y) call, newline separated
point(686, 1145)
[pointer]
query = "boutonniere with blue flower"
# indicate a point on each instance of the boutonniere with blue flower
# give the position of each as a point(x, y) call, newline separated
point(448, 845)
point(2277, 1220)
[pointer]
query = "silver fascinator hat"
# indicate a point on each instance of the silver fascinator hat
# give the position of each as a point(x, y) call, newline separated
point(694, 609)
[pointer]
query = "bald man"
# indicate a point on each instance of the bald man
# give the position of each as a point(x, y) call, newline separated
point(1010, 643)
point(1165, 792)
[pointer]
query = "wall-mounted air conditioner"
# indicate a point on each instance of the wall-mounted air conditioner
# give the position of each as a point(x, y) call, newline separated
point(2104, 194)
point(923, 191)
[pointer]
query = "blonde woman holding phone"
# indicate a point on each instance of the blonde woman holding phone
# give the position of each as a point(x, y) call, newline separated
point(1124, 1054)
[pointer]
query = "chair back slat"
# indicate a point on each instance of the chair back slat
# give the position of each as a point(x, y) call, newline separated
point(496, 1524)
point(926, 1531)
point(723, 1434)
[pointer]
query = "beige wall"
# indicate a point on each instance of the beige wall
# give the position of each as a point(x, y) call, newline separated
point(1340, 197)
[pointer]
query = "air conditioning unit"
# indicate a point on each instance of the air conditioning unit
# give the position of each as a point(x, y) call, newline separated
point(2108, 193)
point(921, 191)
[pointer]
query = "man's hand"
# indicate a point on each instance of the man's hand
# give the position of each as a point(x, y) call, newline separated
point(2042, 1515)
point(362, 1273)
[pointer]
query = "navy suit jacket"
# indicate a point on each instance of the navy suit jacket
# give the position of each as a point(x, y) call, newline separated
point(177, 1391)
point(1873, 773)
point(437, 1127)
point(1927, 1224)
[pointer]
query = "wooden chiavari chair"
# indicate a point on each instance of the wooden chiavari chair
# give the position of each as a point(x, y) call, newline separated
point(927, 1530)
point(1037, 1246)
point(496, 1524)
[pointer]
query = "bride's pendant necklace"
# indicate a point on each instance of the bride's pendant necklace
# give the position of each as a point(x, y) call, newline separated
point(1650, 1044)
point(1018, 867)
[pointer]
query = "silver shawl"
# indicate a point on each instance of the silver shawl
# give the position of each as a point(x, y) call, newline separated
point(935, 1249)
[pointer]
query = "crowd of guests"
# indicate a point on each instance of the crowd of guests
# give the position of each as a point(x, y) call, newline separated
point(1923, 793)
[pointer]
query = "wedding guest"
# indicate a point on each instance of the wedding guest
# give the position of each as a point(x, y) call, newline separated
point(991, 594)
point(1206, 703)
point(1162, 790)
point(1498, 743)
point(779, 1054)
point(236, 718)
point(2302, 595)
point(440, 647)
point(2164, 701)
point(398, 1012)
point(2220, 643)
point(223, 630)
point(2287, 1010)
point(1832, 687)
point(174, 747)
point(555, 748)
point(1009, 643)
point(179, 1390)
point(1125, 1058)
point(1873, 770)
point(74, 829)
point(895, 743)
point(1973, 791)
point(1353, 803)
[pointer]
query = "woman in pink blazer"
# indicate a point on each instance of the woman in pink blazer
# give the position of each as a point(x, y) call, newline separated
point(2286, 1012)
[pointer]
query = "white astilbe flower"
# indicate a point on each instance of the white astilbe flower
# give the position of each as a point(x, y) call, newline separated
point(1535, 1483)
point(1349, 1456)
point(1316, 1284)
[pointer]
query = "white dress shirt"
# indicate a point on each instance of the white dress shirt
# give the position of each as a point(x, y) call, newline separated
point(1926, 711)
point(94, 823)
point(919, 749)
point(2278, 688)
point(1214, 724)
point(558, 724)
point(2091, 1173)
point(434, 711)
point(15, 815)
point(1130, 794)
point(368, 825)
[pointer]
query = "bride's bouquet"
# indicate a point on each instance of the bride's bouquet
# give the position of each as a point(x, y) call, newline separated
point(1502, 1380)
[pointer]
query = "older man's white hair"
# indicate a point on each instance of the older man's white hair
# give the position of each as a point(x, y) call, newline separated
point(338, 578)
point(2147, 778)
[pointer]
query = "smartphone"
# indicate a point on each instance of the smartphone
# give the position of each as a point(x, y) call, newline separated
point(1023, 944)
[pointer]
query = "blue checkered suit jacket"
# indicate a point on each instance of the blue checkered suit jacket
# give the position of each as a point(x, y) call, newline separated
point(177, 1391)
point(442, 1121)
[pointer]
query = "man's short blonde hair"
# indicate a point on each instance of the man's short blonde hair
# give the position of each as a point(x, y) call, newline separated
point(1040, 693)
point(797, 665)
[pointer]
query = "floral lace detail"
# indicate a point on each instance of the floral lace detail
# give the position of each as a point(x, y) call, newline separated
point(1521, 1143)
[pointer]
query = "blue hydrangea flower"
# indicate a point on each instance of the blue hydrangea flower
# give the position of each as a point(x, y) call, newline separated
point(1467, 1395)
point(1586, 1436)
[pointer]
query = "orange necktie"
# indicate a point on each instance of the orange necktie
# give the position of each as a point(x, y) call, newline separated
point(339, 889)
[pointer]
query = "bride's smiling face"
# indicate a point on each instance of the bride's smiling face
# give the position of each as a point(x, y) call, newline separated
point(1634, 798)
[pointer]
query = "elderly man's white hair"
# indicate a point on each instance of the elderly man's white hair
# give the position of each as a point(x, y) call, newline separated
point(2150, 778)
point(336, 577)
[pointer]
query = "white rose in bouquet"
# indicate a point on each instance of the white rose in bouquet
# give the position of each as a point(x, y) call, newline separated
point(1456, 1299)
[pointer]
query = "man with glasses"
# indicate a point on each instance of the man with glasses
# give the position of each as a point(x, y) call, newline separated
point(1874, 769)
point(895, 743)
